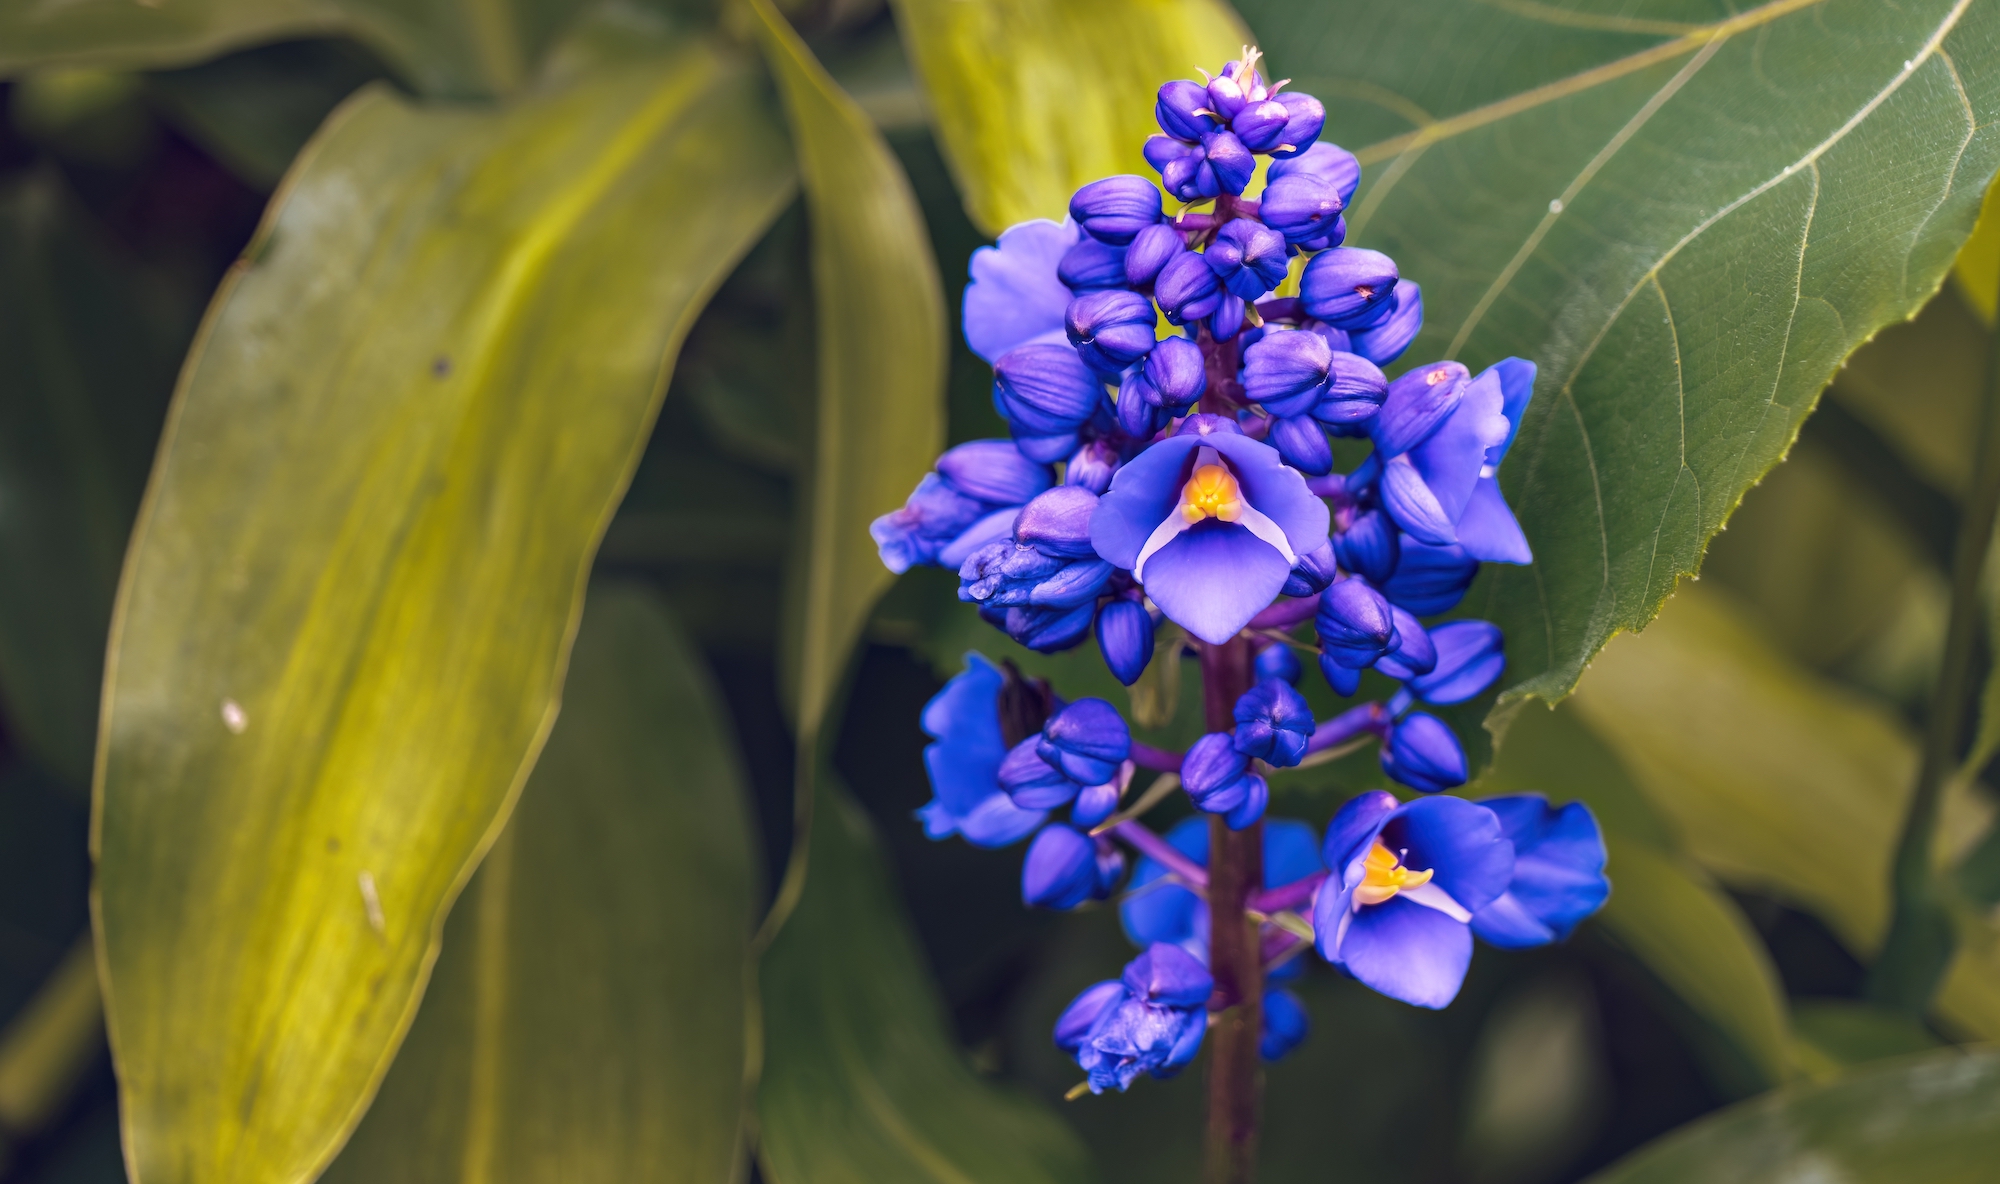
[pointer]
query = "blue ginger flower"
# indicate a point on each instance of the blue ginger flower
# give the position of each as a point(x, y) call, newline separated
point(1300, 373)
point(1090, 265)
point(969, 501)
point(1047, 565)
point(1017, 296)
point(1558, 872)
point(1356, 627)
point(1125, 638)
point(1115, 209)
point(1150, 1020)
point(1434, 436)
point(1422, 752)
point(1083, 747)
point(1405, 883)
point(1219, 780)
point(1273, 723)
point(963, 761)
point(1349, 287)
point(1428, 580)
point(1110, 328)
point(1248, 258)
point(1065, 868)
point(1211, 522)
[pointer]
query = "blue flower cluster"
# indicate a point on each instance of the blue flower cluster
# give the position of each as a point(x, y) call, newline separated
point(1174, 387)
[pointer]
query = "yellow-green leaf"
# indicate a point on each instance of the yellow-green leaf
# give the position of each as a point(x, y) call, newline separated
point(351, 591)
point(1069, 100)
point(880, 307)
point(586, 1021)
point(861, 1082)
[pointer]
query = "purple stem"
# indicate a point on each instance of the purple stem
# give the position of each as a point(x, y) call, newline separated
point(1289, 896)
point(1355, 721)
point(1157, 759)
point(1285, 613)
point(1276, 942)
point(1145, 842)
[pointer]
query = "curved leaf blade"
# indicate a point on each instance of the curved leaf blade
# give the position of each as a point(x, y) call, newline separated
point(1687, 226)
point(861, 1082)
point(1068, 102)
point(350, 596)
point(587, 1016)
point(1936, 1118)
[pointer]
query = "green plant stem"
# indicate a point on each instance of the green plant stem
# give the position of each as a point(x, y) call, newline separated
point(1918, 948)
point(1235, 873)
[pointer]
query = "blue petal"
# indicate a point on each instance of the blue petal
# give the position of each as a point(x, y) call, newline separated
point(1559, 863)
point(1407, 951)
point(1166, 974)
point(1488, 530)
point(1450, 458)
point(1412, 504)
point(1386, 342)
point(1460, 842)
point(990, 529)
point(1278, 491)
point(1167, 913)
point(998, 822)
point(1356, 824)
point(1214, 576)
point(1015, 295)
point(1470, 657)
point(1291, 851)
point(1508, 924)
point(1083, 1012)
point(1517, 382)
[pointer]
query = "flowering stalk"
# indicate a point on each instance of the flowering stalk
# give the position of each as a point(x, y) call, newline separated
point(1236, 870)
point(1918, 949)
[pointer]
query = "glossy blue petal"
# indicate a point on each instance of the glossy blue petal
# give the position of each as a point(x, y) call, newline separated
point(1087, 740)
point(1450, 459)
point(1413, 505)
point(1415, 654)
point(1470, 655)
point(1354, 825)
point(1048, 630)
point(1114, 209)
point(1460, 842)
point(1168, 975)
point(1015, 295)
point(1291, 851)
point(994, 471)
point(1060, 871)
point(1285, 1025)
point(1424, 754)
point(1559, 861)
point(1125, 638)
point(1488, 530)
point(1057, 522)
point(1517, 385)
point(1273, 723)
point(1329, 162)
point(1256, 796)
point(1387, 340)
point(1429, 579)
point(1084, 1011)
point(964, 762)
point(1417, 404)
point(1408, 952)
point(1213, 577)
point(1033, 783)
point(1277, 661)
point(1045, 390)
point(1369, 546)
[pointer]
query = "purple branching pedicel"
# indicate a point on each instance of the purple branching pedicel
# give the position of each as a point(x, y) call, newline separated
point(1181, 378)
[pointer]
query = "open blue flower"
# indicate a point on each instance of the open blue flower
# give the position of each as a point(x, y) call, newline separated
point(964, 763)
point(1211, 522)
point(1558, 872)
point(1440, 437)
point(1406, 882)
point(1016, 297)
point(1152, 1022)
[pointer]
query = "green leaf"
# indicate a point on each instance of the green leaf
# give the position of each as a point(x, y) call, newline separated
point(861, 1081)
point(1775, 780)
point(1068, 101)
point(881, 332)
point(349, 599)
point(1587, 190)
point(1935, 1119)
point(77, 422)
point(443, 47)
point(587, 1013)
point(1850, 1033)
point(1669, 914)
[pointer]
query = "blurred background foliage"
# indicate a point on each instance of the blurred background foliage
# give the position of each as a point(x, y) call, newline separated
point(1749, 754)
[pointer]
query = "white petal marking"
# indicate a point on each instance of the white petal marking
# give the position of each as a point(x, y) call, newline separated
point(1433, 897)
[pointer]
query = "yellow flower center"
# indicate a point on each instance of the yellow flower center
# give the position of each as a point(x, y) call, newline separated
point(1383, 875)
point(1211, 493)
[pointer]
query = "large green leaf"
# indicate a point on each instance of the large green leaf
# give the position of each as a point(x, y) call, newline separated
point(1935, 1119)
point(861, 1081)
point(1686, 224)
point(76, 426)
point(351, 591)
point(881, 330)
point(444, 47)
point(1068, 100)
point(586, 1021)
point(1776, 780)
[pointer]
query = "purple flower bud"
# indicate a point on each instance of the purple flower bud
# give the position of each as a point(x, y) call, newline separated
point(1277, 661)
point(1151, 249)
point(1177, 372)
point(993, 471)
point(1083, 1012)
point(1285, 1025)
point(1176, 110)
point(1414, 653)
point(1355, 624)
point(1191, 178)
point(1305, 116)
point(1170, 976)
point(1045, 390)
point(1348, 287)
point(1286, 372)
point(1430, 580)
point(1273, 723)
point(1329, 162)
point(1256, 796)
point(1470, 655)
point(1417, 404)
point(1087, 740)
point(1045, 449)
point(1408, 499)
point(1302, 207)
point(1057, 522)
point(1248, 257)
point(1186, 289)
point(1092, 264)
point(1139, 412)
point(1216, 776)
point(1369, 546)
point(1005, 573)
point(1116, 208)
point(1234, 90)
point(1302, 443)
point(1261, 126)
point(1111, 328)
point(1423, 753)
point(1345, 680)
point(1386, 341)
point(1033, 783)
point(1060, 871)
point(934, 515)
point(1312, 573)
point(1125, 638)
point(1092, 467)
point(1335, 235)
point(1227, 319)
point(1233, 163)
point(1095, 804)
point(1355, 389)
point(1048, 630)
